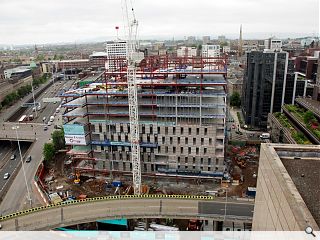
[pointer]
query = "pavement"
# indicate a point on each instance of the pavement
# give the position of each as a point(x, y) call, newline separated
point(246, 134)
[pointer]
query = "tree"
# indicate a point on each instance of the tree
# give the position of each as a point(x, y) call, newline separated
point(58, 139)
point(308, 117)
point(48, 151)
point(235, 99)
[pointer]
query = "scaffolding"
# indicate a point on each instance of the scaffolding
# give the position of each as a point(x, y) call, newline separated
point(171, 91)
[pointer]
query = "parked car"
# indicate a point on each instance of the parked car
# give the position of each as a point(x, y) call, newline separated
point(45, 128)
point(6, 176)
point(13, 157)
point(29, 158)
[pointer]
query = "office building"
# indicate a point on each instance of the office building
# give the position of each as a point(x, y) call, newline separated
point(182, 115)
point(269, 82)
point(288, 193)
point(273, 44)
point(209, 50)
point(205, 39)
point(187, 52)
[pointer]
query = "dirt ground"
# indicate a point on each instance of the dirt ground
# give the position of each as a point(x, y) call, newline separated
point(60, 179)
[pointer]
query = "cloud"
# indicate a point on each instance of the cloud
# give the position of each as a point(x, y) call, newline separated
point(46, 21)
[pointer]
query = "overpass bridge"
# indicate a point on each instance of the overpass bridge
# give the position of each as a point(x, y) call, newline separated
point(129, 206)
point(26, 131)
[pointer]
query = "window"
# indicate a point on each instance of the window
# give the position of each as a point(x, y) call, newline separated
point(198, 131)
point(194, 141)
point(174, 149)
point(100, 127)
point(151, 129)
point(158, 130)
point(181, 130)
point(186, 140)
point(148, 137)
point(201, 160)
point(189, 150)
point(194, 160)
point(209, 168)
point(181, 150)
point(121, 128)
point(156, 138)
point(143, 129)
point(178, 159)
point(189, 131)
point(166, 149)
point(202, 141)
point(205, 131)
point(210, 141)
point(197, 150)
point(170, 140)
point(178, 140)
point(217, 161)
point(174, 130)
point(163, 140)
point(186, 160)
point(205, 151)
point(209, 161)
point(166, 130)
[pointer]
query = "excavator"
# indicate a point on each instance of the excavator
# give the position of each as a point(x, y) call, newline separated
point(77, 180)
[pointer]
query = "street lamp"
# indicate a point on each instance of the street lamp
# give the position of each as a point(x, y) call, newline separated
point(34, 101)
point(23, 170)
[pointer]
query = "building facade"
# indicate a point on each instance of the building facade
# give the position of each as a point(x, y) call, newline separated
point(210, 50)
point(269, 82)
point(182, 121)
point(187, 52)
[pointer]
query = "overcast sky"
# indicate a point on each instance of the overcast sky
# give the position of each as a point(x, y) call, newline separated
point(52, 21)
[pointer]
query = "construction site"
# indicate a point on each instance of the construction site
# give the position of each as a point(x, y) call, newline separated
point(182, 115)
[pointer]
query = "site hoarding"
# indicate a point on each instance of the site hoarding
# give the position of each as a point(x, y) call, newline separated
point(74, 134)
point(73, 129)
point(75, 139)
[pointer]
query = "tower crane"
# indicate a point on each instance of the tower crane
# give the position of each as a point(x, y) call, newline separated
point(132, 60)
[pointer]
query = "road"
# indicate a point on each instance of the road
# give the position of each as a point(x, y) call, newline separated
point(10, 165)
point(47, 109)
point(131, 208)
point(16, 197)
point(246, 134)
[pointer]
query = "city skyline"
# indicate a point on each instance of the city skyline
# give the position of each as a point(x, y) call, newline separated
point(54, 22)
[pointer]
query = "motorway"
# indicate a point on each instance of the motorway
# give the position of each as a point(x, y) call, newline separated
point(130, 207)
point(16, 197)
point(47, 109)
point(7, 165)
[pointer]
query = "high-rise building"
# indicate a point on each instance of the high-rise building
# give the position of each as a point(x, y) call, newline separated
point(210, 50)
point(205, 39)
point(191, 40)
point(273, 44)
point(316, 90)
point(288, 195)
point(115, 49)
point(269, 82)
point(187, 52)
point(222, 38)
point(182, 115)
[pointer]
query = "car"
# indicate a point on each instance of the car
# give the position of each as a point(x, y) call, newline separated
point(44, 118)
point(55, 102)
point(6, 176)
point(45, 128)
point(13, 157)
point(29, 158)
point(57, 127)
point(49, 123)
point(233, 126)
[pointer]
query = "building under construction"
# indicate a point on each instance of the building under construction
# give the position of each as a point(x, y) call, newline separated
point(182, 117)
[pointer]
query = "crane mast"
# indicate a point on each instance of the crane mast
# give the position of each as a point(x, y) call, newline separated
point(132, 59)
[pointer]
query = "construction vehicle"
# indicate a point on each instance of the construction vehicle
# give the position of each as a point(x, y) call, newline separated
point(77, 180)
